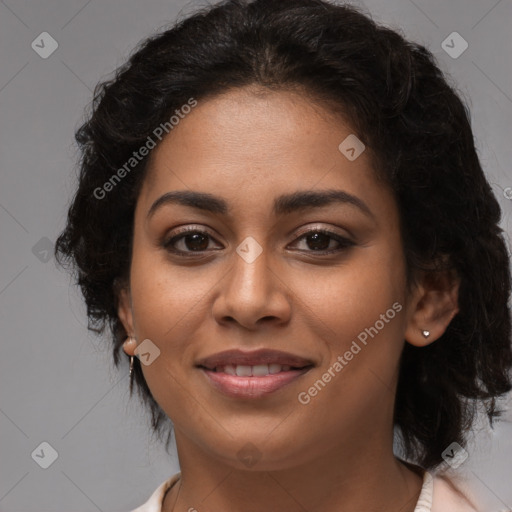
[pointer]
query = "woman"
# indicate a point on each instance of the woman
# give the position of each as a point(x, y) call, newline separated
point(282, 217)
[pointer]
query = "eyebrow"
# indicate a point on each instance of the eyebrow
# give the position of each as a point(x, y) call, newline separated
point(284, 204)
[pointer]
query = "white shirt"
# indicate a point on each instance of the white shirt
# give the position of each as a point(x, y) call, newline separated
point(436, 496)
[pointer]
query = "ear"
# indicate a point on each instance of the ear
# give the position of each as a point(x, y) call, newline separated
point(433, 305)
point(125, 313)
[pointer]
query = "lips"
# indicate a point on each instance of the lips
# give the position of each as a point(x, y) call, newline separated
point(257, 358)
point(250, 375)
point(251, 387)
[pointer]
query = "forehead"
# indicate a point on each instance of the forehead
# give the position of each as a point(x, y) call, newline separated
point(247, 121)
point(251, 142)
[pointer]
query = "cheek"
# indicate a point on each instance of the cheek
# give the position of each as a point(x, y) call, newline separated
point(361, 313)
point(165, 302)
point(165, 296)
point(360, 308)
point(352, 297)
point(172, 309)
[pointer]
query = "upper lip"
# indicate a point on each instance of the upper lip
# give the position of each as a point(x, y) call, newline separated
point(253, 358)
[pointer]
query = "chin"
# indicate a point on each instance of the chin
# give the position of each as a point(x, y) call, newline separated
point(261, 452)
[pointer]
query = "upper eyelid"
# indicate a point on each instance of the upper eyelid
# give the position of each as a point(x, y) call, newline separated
point(192, 228)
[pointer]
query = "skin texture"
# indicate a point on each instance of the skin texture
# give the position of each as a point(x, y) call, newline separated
point(335, 453)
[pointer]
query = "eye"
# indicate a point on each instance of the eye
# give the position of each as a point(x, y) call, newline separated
point(190, 240)
point(320, 241)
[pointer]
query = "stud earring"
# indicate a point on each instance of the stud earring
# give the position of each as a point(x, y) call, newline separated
point(426, 334)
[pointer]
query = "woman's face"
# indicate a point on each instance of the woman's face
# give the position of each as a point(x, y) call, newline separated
point(259, 275)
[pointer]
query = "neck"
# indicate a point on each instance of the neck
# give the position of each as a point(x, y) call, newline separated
point(351, 477)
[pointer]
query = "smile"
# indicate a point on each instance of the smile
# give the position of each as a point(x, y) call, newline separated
point(243, 381)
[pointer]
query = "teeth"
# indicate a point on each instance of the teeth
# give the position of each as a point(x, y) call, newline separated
point(243, 371)
point(274, 368)
point(259, 370)
point(230, 369)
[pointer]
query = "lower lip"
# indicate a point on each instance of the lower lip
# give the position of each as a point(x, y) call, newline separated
point(251, 387)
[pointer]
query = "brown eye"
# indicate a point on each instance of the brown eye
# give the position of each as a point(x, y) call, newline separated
point(188, 241)
point(192, 240)
point(196, 241)
point(319, 240)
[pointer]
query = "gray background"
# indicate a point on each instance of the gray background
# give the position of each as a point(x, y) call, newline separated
point(57, 381)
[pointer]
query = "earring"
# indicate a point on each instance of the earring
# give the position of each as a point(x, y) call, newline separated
point(131, 375)
point(130, 339)
point(426, 334)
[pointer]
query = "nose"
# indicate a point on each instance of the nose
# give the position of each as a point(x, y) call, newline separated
point(252, 293)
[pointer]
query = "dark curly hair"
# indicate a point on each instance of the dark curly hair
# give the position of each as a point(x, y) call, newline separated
point(418, 133)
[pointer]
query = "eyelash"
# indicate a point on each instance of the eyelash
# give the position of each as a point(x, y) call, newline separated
point(345, 243)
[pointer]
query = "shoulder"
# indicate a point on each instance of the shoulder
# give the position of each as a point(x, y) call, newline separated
point(447, 494)
point(154, 504)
